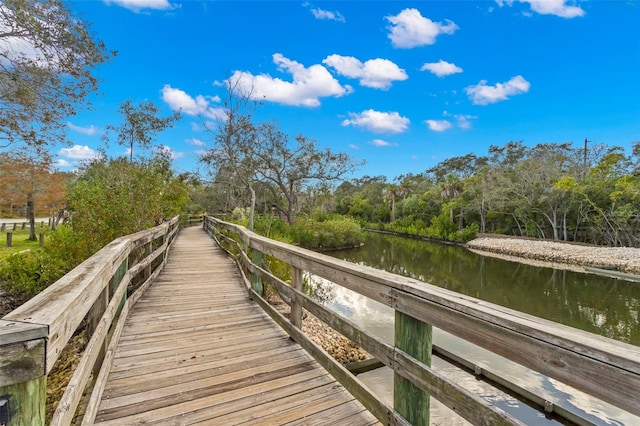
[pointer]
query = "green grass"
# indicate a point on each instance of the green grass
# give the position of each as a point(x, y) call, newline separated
point(20, 240)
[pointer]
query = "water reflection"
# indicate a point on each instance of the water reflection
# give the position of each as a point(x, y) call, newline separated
point(593, 303)
point(597, 304)
point(378, 319)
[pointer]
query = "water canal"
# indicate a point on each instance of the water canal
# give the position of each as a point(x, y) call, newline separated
point(594, 303)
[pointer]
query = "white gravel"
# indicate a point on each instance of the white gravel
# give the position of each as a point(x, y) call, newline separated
point(624, 259)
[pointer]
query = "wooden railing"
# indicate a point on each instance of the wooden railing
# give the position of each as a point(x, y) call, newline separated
point(95, 295)
point(601, 367)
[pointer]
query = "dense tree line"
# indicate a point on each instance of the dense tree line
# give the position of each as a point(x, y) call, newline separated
point(552, 191)
point(549, 191)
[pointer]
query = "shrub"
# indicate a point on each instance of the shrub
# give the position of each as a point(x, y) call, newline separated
point(26, 274)
point(336, 232)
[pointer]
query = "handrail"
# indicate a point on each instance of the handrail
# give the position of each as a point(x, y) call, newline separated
point(96, 292)
point(601, 367)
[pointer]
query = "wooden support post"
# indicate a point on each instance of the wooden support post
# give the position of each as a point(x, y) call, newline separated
point(93, 320)
point(3, 227)
point(256, 279)
point(413, 337)
point(115, 281)
point(15, 226)
point(9, 239)
point(23, 376)
point(148, 251)
point(24, 225)
point(41, 239)
point(296, 307)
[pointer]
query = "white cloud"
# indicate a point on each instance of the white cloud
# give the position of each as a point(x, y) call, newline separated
point(62, 163)
point(464, 120)
point(378, 122)
point(78, 153)
point(195, 142)
point(138, 5)
point(481, 94)
point(200, 105)
point(195, 127)
point(353, 146)
point(308, 85)
point(550, 7)
point(410, 29)
point(90, 130)
point(327, 14)
point(376, 73)
point(438, 125)
point(441, 68)
point(382, 143)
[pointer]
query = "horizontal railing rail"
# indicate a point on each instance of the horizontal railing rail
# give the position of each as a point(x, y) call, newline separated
point(604, 368)
point(97, 294)
point(191, 219)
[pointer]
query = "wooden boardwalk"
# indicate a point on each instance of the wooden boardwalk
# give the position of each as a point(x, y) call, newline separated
point(196, 350)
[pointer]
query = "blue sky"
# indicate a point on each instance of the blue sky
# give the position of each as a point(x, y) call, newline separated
point(401, 85)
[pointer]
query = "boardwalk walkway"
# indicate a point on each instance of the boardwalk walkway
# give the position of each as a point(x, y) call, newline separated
point(196, 350)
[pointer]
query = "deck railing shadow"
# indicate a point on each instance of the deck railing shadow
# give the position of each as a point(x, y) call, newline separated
point(604, 368)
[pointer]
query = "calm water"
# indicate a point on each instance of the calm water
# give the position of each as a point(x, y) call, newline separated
point(593, 303)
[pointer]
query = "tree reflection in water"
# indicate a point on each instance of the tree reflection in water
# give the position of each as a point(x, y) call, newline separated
point(593, 303)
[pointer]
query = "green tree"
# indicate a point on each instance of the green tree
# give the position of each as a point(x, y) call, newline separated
point(288, 169)
point(117, 197)
point(47, 56)
point(234, 142)
point(140, 124)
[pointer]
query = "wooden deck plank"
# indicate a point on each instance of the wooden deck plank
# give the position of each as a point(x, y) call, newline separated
point(195, 349)
point(226, 402)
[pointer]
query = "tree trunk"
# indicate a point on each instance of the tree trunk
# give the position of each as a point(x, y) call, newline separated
point(31, 217)
point(252, 208)
point(393, 207)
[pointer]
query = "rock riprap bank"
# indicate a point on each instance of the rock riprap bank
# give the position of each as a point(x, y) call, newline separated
point(623, 259)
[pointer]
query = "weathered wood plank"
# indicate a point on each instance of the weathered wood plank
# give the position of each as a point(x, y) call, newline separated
point(223, 403)
point(73, 393)
point(17, 331)
point(208, 352)
point(601, 367)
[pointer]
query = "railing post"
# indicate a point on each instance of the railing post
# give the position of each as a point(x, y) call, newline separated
point(9, 239)
point(256, 279)
point(413, 337)
point(94, 316)
point(148, 250)
point(23, 378)
point(296, 308)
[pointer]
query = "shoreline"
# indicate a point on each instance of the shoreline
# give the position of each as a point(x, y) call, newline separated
point(559, 255)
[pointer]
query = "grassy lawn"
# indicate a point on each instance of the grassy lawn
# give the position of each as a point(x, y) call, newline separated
point(20, 240)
